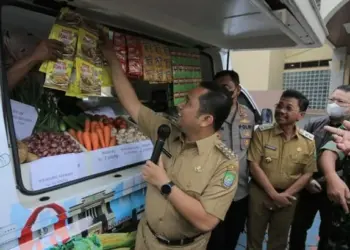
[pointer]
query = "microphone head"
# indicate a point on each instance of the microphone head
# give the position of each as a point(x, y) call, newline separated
point(163, 132)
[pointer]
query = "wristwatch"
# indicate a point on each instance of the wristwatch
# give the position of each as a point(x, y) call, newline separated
point(166, 188)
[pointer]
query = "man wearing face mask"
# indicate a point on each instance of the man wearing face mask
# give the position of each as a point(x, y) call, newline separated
point(314, 197)
point(236, 133)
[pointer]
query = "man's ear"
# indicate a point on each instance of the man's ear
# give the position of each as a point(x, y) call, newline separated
point(301, 115)
point(206, 120)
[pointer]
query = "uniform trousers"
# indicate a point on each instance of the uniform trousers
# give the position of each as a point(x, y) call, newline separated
point(264, 214)
point(146, 240)
point(225, 236)
point(306, 210)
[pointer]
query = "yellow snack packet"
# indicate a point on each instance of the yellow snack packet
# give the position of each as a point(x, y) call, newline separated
point(106, 77)
point(89, 77)
point(68, 17)
point(58, 74)
point(88, 49)
point(73, 86)
point(68, 37)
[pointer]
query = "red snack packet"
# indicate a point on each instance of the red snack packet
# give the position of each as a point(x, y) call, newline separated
point(135, 59)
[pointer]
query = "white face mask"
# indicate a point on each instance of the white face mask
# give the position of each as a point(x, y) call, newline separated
point(335, 111)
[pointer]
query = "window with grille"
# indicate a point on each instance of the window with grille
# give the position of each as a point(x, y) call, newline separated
point(314, 84)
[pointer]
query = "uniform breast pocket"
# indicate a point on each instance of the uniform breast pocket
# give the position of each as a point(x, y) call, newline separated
point(194, 186)
point(245, 137)
point(296, 164)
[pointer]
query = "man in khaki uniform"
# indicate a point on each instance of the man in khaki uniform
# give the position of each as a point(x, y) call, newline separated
point(190, 190)
point(282, 161)
point(236, 133)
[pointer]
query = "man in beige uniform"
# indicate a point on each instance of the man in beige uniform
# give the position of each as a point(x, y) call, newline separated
point(190, 190)
point(282, 161)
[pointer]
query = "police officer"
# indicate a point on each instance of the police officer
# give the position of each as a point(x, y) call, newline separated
point(192, 187)
point(337, 187)
point(236, 133)
point(282, 161)
point(314, 197)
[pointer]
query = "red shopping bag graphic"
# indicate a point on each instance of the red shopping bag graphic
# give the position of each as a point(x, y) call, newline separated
point(26, 241)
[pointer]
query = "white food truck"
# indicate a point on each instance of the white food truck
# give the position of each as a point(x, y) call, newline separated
point(111, 199)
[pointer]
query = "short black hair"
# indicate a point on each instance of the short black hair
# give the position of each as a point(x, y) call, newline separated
point(302, 100)
point(345, 88)
point(231, 73)
point(216, 102)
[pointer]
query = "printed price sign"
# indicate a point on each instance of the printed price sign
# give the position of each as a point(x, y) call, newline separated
point(106, 159)
point(48, 172)
point(24, 119)
point(136, 152)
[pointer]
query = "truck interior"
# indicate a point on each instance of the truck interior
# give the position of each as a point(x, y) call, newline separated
point(211, 28)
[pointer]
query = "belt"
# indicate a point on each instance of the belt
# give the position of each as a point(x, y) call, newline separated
point(165, 241)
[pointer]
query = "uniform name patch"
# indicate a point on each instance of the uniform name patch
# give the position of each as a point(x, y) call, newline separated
point(228, 180)
point(270, 147)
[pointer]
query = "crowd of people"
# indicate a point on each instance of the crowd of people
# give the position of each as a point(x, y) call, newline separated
point(220, 174)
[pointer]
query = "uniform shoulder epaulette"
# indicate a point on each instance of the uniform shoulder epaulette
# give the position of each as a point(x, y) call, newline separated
point(267, 126)
point(306, 134)
point(225, 150)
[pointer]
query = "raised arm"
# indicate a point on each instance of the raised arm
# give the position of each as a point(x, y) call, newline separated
point(125, 92)
point(147, 120)
point(46, 50)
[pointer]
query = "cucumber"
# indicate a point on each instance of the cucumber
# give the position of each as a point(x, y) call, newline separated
point(63, 126)
point(71, 122)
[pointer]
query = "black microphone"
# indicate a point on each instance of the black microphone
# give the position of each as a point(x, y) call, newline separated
point(163, 134)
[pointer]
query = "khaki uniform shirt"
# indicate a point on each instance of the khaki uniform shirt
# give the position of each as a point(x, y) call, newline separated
point(283, 161)
point(205, 170)
point(236, 133)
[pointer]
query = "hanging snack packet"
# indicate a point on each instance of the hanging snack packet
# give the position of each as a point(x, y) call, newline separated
point(68, 17)
point(68, 37)
point(58, 74)
point(135, 59)
point(107, 77)
point(94, 28)
point(88, 48)
point(119, 42)
point(89, 78)
point(73, 86)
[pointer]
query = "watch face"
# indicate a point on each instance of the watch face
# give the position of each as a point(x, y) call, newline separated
point(166, 189)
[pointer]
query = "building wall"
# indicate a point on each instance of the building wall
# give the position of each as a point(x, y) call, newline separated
point(253, 68)
point(302, 55)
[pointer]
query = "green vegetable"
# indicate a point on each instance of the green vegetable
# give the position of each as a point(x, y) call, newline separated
point(71, 123)
point(63, 126)
point(81, 119)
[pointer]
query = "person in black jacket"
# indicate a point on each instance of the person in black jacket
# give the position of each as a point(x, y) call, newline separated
point(314, 197)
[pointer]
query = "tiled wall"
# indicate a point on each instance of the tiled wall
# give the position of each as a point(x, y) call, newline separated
point(314, 84)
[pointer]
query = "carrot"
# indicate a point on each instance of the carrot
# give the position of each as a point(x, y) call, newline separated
point(87, 141)
point(87, 125)
point(100, 137)
point(113, 141)
point(94, 126)
point(73, 133)
point(107, 134)
point(94, 141)
point(80, 137)
point(100, 123)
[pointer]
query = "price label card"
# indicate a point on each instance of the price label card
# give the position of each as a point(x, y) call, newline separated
point(55, 170)
point(24, 119)
point(106, 159)
point(136, 152)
